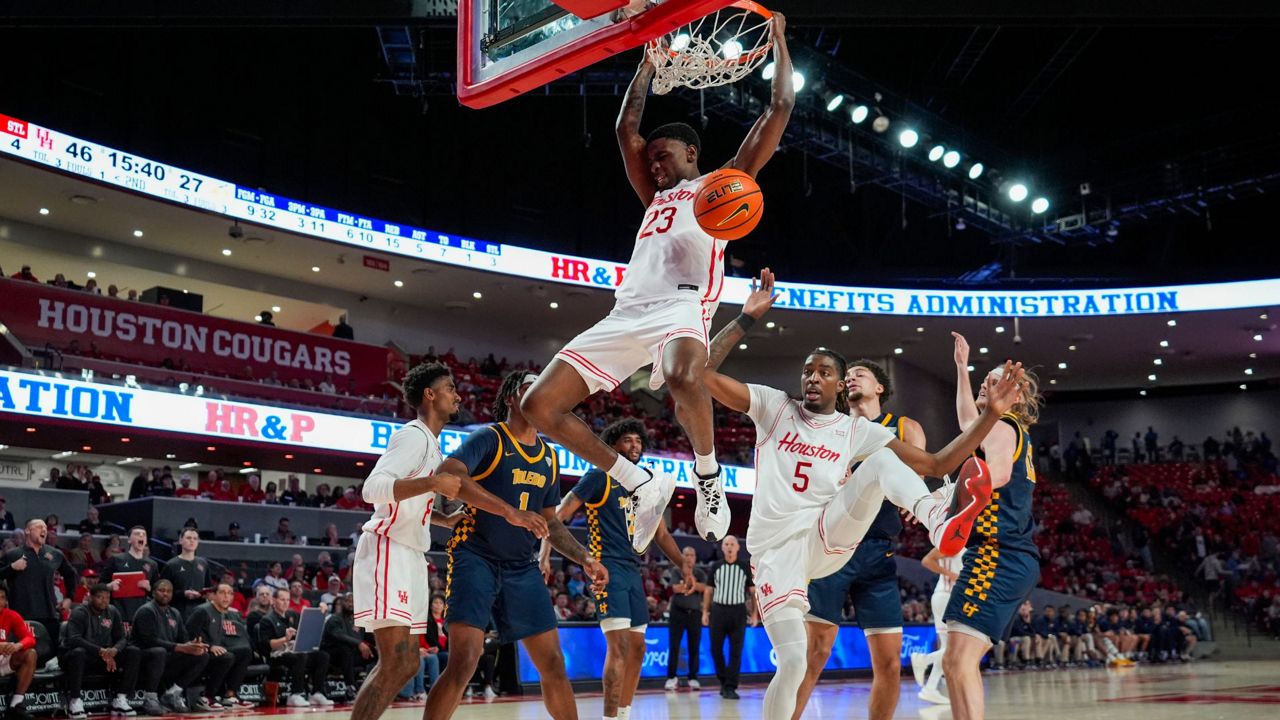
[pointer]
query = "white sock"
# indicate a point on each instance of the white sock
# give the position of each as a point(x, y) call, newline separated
point(16, 700)
point(624, 713)
point(935, 670)
point(628, 474)
point(705, 465)
point(612, 717)
point(786, 631)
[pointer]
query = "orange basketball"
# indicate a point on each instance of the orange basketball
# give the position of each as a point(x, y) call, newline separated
point(729, 204)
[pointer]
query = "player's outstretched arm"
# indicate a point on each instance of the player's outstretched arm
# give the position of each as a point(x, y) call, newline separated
point(567, 545)
point(470, 492)
point(630, 141)
point(727, 391)
point(966, 410)
point(931, 562)
point(564, 513)
point(758, 303)
point(1002, 393)
point(762, 141)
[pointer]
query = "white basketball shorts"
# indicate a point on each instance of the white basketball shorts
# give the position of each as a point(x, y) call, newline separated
point(939, 605)
point(389, 585)
point(782, 572)
point(634, 336)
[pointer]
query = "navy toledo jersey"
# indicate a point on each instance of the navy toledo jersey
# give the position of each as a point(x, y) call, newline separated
point(1007, 522)
point(608, 527)
point(527, 478)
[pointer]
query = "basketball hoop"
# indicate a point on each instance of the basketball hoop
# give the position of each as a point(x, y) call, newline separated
point(714, 50)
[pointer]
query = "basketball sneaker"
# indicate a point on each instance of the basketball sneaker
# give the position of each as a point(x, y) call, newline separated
point(919, 666)
point(646, 507)
point(711, 517)
point(971, 493)
point(671, 685)
point(933, 696)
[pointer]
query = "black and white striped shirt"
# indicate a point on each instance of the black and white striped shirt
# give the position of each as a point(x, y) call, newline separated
point(730, 582)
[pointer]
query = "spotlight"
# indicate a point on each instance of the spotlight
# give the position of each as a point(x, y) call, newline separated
point(859, 114)
point(1143, 393)
point(730, 50)
point(1172, 323)
point(766, 74)
point(797, 79)
point(681, 41)
point(999, 328)
point(951, 159)
point(226, 252)
point(1152, 377)
point(137, 233)
point(44, 211)
point(936, 152)
point(975, 171)
point(844, 328)
point(1248, 371)
point(398, 283)
point(833, 101)
point(908, 138)
point(1040, 205)
point(742, 346)
point(1017, 192)
point(1157, 361)
point(897, 351)
point(1062, 366)
point(880, 124)
point(477, 295)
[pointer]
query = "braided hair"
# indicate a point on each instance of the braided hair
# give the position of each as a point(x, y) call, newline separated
point(842, 367)
point(510, 388)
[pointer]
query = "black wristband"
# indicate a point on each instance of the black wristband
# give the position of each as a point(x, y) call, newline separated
point(745, 321)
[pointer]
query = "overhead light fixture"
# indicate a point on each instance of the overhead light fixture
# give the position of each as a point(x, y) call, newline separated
point(86, 448)
point(316, 470)
point(248, 470)
point(1053, 381)
point(730, 50)
point(128, 460)
point(1017, 192)
point(1040, 206)
point(1152, 377)
point(771, 324)
point(975, 171)
point(359, 463)
point(1263, 316)
point(999, 328)
point(210, 448)
point(1062, 366)
point(880, 124)
point(936, 152)
point(834, 100)
point(257, 318)
point(859, 114)
point(908, 138)
point(91, 274)
point(170, 456)
point(1143, 393)
point(315, 268)
point(1157, 361)
point(44, 211)
point(1253, 356)
point(31, 429)
point(1071, 348)
point(797, 80)
point(681, 41)
point(275, 308)
point(951, 158)
point(1164, 343)
point(1172, 323)
point(188, 466)
point(398, 283)
point(124, 439)
point(982, 350)
point(137, 233)
point(554, 305)
point(226, 252)
point(1243, 386)
point(1258, 337)
point(477, 295)
point(972, 368)
point(770, 69)
point(742, 346)
point(63, 454)
point(1248, 371)
point(844, 328)
point(919, 329)
point(897, 351)
point(288, 456)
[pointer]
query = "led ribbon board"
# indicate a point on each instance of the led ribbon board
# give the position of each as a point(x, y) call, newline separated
point(98, 163)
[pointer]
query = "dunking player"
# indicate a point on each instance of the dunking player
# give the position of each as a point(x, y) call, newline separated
point(493, 569)
point(1002, 564)
point(930, 664)
point(663, 305)
point(806, 518)
point(390, 572)
point(621, 606)
point(871, 575)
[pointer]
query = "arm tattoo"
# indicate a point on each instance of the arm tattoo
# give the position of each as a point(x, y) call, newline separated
point(723, 343)
point(565, 543)
point(633, 104)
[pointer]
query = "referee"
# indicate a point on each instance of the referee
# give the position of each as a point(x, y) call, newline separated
point(728, 607)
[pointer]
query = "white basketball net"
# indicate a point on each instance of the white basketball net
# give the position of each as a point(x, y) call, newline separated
point(721, 48)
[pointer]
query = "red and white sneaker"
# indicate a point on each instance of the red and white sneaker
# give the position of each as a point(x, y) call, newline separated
point(972, 492)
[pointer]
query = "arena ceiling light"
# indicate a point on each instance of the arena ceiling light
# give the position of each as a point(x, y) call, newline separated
point(315, 268)
point(1157, 361)
point(226, 252)
point(897, 351)
point(44, 211)
point(1248, 371)
point(770, 69)
point(1040, 205)
point(1172, 323)
point(1017, 192)
point(859, 114)
point(188, 466)
point(999, 328)
point(1164, 343)
point(730, 50)
point(1152, 377)
point(1258, 337)
point(137, 233)
point(398, 283)
point(975, 171)
point(908, 138)
point(951, 159)
point(936, 152)
point(834, 100)
point(275, 308)
point(880, 124)
point(797, 80)
point(844, 328)
point(681, 41)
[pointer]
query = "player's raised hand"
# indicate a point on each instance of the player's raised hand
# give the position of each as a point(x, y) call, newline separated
point(779, 27)
point(962, 350)
point(531, 521)
point(761, 297)
point(1004, 389)
point(598, 573)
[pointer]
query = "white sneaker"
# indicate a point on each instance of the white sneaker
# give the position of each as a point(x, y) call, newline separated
point(120, 707)
point(919, 667)
point(934, 697)
point(489, 694)
point(296, 700)
point(694, 684)
point(319, 700)
point(711, 517)
point(647, 506)
point(75, 708)
point(671, 684)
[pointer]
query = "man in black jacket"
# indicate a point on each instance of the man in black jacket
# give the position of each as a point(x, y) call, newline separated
point(275, 635)
point(189, 574)
point(218, 625)
point(135, 559)
point(94, 642)
point(171, 658)
point(344, 643)
point(30, 570)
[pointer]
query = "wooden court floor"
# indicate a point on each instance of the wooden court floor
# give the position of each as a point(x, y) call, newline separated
point(1203, 691)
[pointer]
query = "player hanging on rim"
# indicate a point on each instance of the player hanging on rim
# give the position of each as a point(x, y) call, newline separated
point(391, 594)
point(809, 512)
point(622, 606)
point(1002, 564)
point(663, 305)
point(493, 567)
point(871, 575)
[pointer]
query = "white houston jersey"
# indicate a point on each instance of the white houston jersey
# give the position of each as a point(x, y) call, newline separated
point(413, 451)
point(953, 563)
point(674, 257)
point(801, 459)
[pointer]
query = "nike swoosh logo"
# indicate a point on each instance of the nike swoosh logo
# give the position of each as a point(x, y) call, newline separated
point(744, 207)
point(507, 454)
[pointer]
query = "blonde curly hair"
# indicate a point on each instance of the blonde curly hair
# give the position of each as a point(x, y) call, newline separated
point(1027, 410)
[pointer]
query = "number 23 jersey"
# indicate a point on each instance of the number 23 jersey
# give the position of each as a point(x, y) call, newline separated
point(801, 459)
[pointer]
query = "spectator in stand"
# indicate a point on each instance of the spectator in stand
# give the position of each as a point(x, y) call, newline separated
point(170, 656)
point(322, 497)
point(274, 578)
point(345, 644)
point(113, 292)
point(324, 569)
point(1136, 444)
point(189, 573)
point(260, 606)
point(284, 536)
point(209, 484)
point(222, 629)
point(1152, 443)
point(297, 603)
point(91, 286)
point(97, 492)
point(251, 491)
point(1176, 449)
point(350, 500)
point(92, 523)
point(233, 534)
point(239, 602)
point(133, 295)
point(114, 547)
point(331, 538)
point(30, 570)
point(275, 635)
point(224, 493)
point(6, 517)
point(135, 560)
point(564, 613)
point(25, 274)
point(94, 641)
point(327, 387)
point(17, 657)
point(53, 523)
point(1047, 641)
point(82, 556)
point(273, 494)
point(343, 329)
point(333, 590)
point(266, 318)
point(293, 493)
point(184, 488)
